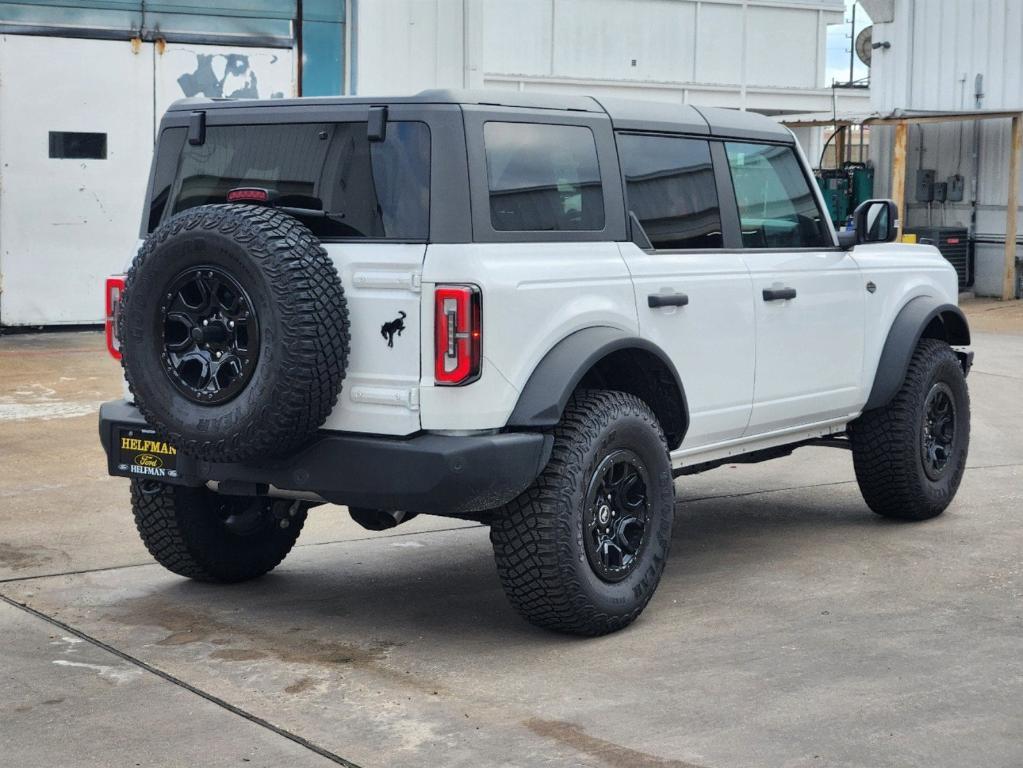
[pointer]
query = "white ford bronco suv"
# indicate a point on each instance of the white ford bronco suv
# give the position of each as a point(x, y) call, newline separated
point(534, 311)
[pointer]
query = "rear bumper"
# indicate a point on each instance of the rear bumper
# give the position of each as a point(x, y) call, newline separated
point(441, 474)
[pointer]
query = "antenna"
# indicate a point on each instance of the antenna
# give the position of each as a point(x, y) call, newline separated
point(864, 44)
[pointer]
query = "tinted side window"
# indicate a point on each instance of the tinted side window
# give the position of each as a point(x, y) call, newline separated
point(776, 207)
point(670, 187)
point(543, 177)
point(328, 175)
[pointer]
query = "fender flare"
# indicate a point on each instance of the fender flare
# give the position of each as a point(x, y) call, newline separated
point(905, 333)
point(545, 395)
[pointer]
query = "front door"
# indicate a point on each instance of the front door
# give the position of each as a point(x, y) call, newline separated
point(693, 296)
point(809, 296)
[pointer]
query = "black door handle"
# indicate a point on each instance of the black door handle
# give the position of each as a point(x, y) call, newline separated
point(655, 300)
point(779, 294)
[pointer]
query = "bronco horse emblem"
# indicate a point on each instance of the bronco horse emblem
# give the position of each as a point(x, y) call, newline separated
point(395, 326)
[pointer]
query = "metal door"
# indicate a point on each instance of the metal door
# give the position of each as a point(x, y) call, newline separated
point(76, 133)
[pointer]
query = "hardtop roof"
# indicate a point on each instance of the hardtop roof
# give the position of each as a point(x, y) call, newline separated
point(625, 114)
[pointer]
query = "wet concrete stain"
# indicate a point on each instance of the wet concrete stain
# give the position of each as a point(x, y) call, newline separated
point(238, 643)
point(300, 686)
point(608, 752)
point(18, 558)
point(237, 654)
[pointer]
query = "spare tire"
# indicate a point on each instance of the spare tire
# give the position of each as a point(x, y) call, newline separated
point(234, 332)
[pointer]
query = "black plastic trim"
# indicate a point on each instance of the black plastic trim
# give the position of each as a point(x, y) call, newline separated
point(543, 399)
point(430, 473)
point(903, 337)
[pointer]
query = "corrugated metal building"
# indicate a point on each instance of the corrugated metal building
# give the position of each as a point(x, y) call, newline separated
point(952, 55)
point(764, 55)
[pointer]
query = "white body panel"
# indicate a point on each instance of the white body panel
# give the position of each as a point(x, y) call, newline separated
point(901, 273)
point(809, 349)
point(534, 295)
point(821, 349)
point(710, 340)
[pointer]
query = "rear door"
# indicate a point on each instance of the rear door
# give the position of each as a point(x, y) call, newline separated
point(692, 287)
point(809, 295)
point(368, 202)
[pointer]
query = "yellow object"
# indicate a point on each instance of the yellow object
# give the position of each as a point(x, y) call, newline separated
point(909, 238)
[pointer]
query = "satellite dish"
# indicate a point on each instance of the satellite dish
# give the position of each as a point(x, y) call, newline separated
point(864, 43)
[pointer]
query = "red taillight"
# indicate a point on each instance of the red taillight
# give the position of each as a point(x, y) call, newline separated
point(114, 289)
point(248, 195)
point(458, 321)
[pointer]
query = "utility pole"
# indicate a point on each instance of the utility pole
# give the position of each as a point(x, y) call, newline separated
point(852, 45)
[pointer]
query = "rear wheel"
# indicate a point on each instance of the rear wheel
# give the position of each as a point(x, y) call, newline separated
point(910, 455)
point(582, 550)
point(207, 536)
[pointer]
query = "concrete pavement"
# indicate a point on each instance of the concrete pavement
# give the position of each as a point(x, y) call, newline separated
point(792, 627)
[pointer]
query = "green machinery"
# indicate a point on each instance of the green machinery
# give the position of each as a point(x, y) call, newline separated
point(845, 188)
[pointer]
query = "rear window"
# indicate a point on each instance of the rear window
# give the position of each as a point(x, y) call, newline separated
point(543, 178)
point(328, 175)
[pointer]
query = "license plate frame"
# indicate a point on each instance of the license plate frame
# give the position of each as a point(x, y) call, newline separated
point(140, 453)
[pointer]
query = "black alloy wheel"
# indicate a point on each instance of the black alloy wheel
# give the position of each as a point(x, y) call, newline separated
point(910, 454)
point(617, 511)
point(210, 335)
point(938, 430)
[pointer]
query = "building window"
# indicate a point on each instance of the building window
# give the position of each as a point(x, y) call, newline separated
point(78, 146)
point(777, 208)
point(670, 187)
point(543, 178)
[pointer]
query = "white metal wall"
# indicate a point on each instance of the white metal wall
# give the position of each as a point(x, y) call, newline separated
point(938, 47)
point(761, 54)
point(66, 224)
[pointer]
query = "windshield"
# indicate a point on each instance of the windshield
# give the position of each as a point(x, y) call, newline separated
point(328, 175)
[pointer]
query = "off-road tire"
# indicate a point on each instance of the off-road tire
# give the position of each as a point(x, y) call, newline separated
point(182, 529)
point(295, 291)
point(886, 442)
point(538, 537)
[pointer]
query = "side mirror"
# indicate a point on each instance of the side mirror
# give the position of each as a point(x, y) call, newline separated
point(876, 221)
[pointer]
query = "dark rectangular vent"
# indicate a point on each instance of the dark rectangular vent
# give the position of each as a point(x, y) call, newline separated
point(73, 145)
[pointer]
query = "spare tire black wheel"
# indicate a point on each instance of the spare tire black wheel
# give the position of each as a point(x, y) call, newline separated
point(234, 332)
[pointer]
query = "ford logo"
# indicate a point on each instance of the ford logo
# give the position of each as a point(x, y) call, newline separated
point(148, 460)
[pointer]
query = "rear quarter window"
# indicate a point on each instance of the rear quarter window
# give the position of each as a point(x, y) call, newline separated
point(543, 178)
point(328, 175)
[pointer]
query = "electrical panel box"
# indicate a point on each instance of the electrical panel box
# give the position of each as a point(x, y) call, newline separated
point(925, 185)
point(956, 188)
point(940, 191)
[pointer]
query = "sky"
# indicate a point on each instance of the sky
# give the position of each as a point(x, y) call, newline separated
point(839, 45)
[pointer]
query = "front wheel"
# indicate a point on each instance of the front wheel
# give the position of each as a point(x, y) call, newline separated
point(207, 536)
point(582, 550)
point(910, 455)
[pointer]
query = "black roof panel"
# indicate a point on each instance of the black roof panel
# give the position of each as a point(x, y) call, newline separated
point(625, 114)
